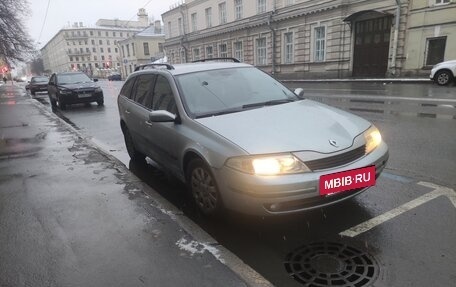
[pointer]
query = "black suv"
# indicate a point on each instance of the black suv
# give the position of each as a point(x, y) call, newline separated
point(73, 88)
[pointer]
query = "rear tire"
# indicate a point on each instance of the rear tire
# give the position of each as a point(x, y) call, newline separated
point(100, 103)
point(204, 189)
point(134, 154)
point(443, 78)
point(32, 92)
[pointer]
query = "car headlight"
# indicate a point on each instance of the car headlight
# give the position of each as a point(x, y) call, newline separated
point(268, 165)
point(65, 91)
point(373, 138)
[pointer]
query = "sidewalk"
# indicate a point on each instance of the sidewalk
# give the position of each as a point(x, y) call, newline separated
point(370, 80)
point(71, 215)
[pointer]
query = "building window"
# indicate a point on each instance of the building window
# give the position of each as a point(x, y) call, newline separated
point(116, 50)
point(194, 22)
point(288, 47)
point(71, 59)
point(69, 51)
point(87, 50)
point(107, 34)
point(93, 42)
point(435, 51)
point(238, 9)
point(91, 33)
point(121, 34)
point(95, 58)
point(320, 44)
point(222, 12)
point(261, 6)
point(108, 42)
point(109, 50)
point(133, 49)
point(223, 52)
point(208, 12)
point(181, 30)
point(99, 33)
point(113, 34)
point(182, 56)
point(196, 54)
point(239, 51)
point(209, 52)
point(170, 34)
point(128, 50)
point(123, 51)
point(100, 42)
point(94, 50)
point(440, 2)
point(261, 51)
point(101, 50)
point(102, 57)
point(289, 2)
point(146, 49)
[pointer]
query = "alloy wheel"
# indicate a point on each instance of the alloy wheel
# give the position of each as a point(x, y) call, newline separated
point(204, 190)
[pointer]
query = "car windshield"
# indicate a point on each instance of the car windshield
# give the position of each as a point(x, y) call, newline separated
point(216, 92)
point(39, 79)
point(73, 79)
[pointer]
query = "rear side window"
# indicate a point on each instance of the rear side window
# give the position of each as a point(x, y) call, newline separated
point(126, 89)
point(163, 98)
point(142, 88)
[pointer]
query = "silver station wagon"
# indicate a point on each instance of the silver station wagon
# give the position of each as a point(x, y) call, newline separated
point(241, 140)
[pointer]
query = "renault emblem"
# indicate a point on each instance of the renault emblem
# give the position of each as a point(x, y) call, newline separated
point(333, 143)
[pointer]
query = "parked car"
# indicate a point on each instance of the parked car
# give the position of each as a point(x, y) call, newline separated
point(241, 140)
point(114, 77)
point(444, 73)
point(38, 84)
point(72, 88)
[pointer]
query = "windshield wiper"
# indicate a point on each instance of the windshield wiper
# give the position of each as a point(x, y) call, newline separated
point(219, 113)
point(268, 103)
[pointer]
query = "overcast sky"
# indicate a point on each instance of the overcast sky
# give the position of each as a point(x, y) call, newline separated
point(62, 12)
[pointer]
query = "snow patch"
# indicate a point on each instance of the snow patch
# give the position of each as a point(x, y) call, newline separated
point(194, 247)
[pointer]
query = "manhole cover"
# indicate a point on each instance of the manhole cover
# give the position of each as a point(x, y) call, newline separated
point(325, 264)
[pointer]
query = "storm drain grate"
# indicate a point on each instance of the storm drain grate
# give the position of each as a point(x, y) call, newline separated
point(323, 264)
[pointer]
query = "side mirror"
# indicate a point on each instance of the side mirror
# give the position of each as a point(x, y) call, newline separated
point(162, 116)
point(299, 92)
point(95, 79)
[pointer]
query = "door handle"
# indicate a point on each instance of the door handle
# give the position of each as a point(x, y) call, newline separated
point(148, 123)
point(127, 112)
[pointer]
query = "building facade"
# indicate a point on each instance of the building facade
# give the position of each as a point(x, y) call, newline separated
point(296, 38)
point(93, 50)
point(431, 35)
point(143, 47)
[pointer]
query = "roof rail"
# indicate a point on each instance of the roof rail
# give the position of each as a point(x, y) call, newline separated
point(234, 60)
point(152, 66)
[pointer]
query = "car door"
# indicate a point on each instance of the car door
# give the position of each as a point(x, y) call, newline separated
point(136, 113)
point(52, 87)
point(163, 136)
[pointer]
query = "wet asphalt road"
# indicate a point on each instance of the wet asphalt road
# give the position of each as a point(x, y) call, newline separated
point(411, 240)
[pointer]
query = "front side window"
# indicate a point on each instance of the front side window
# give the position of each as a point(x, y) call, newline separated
point(222, 12)
point(238, 11)
point(435, 52)
point(163, 98)
point(288, 47)
point(261, 51)
point(320, 44)
point(143, 87)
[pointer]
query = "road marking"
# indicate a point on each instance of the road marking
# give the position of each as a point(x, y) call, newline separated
point(369, 224)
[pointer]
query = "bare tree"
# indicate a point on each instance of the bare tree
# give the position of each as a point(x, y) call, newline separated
point(15, 43)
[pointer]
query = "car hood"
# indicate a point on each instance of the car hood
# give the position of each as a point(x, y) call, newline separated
point(79, 86)
point(299, 126)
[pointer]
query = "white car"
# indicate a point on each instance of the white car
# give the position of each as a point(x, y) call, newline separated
point(444, 73)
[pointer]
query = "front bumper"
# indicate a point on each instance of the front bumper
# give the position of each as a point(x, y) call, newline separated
point(82, 97)
point(273, 195)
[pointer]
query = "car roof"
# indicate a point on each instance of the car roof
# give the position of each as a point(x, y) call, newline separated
point(180, 69)
point(69, 73)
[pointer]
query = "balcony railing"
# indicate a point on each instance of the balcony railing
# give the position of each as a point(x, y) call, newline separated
point(76, 37)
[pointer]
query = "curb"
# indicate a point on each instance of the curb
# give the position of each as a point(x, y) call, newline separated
point(222, 254)
point(384, 80)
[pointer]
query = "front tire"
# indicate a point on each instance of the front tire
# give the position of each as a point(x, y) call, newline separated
point(134, 154)
point(443, 78)
point(100, 103)
point(203, 187)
